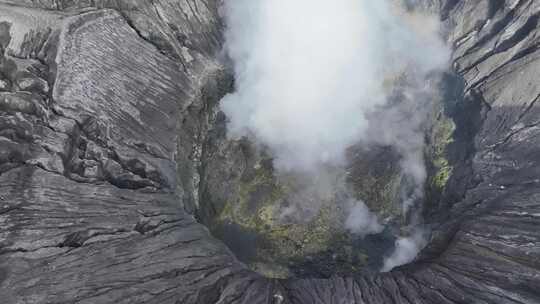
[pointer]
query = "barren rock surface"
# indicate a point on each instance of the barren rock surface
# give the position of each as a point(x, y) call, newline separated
point(103, 106)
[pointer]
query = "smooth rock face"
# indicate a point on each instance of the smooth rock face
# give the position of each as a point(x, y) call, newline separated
point(102, 115)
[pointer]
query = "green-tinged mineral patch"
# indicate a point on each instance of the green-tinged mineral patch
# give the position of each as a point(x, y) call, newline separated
point(375, 178)
point(293, 225)
point(441, 137)
point(261, 208)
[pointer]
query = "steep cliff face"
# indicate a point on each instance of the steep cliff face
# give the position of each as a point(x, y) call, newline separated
point(105, 109)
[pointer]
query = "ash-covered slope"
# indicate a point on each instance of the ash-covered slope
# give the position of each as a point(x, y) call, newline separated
point(95, 96)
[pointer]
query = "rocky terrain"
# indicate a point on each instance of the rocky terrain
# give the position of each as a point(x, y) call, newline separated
point(108, 145)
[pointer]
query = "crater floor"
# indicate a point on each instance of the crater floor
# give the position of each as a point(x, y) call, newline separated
point(105, 118)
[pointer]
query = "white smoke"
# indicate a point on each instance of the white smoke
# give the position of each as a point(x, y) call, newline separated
point(402, 125)
point(312, 79)
point(361, 221)
point(308, 72)
point(406, 249)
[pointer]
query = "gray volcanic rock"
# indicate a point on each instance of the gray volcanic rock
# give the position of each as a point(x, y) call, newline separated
point(104, 109)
